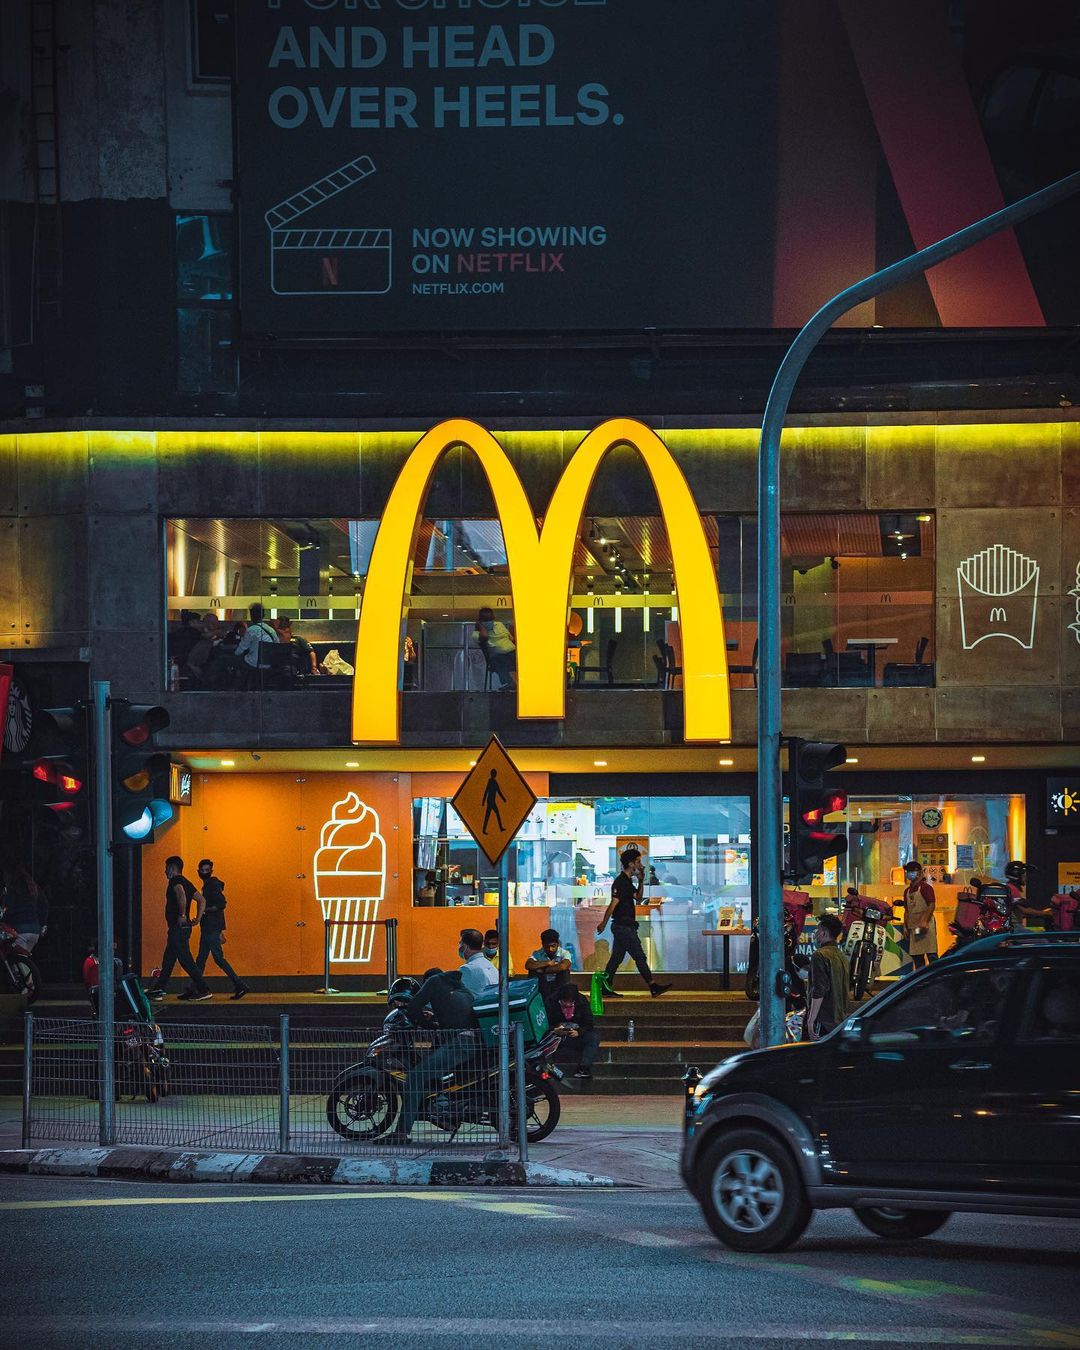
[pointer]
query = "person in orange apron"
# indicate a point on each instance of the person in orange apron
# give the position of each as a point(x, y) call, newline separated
point(919, 905)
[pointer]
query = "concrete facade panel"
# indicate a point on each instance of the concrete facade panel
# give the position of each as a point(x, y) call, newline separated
point(989, 714)
point(1002, 464)
point(999, 660)
point(721, 468)
point(382, 454)
point(896, 716)
point(825, 714)
point(54, 572)
point(298, 478)
point(125, 574)
point(53, 470)
point(9, 474)
point(900, 468)
point(207, 473)
point(823, 466)
point(1033, 532)
point(225, 719)
point(10, 586)
point(123, 471)
point(1070, 463)
point(131, 662)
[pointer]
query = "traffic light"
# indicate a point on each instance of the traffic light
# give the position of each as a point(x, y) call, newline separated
point(61, 775)
point(140, 772)
point(811, 840)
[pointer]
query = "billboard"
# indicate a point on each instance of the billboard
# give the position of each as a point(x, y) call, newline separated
point(569, 165)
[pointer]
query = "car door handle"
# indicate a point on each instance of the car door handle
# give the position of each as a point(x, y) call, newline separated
point(962, 1064)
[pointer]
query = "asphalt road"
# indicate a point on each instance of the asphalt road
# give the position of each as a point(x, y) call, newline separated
point(97, 1263)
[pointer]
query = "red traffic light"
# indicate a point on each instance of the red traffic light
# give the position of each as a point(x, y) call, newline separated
point(835, 801)
point(58, 774)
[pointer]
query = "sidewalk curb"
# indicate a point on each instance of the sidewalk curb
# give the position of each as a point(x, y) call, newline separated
point(126, 1163)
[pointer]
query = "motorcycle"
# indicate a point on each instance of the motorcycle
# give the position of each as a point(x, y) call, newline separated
point(980, 914)
point(865, 944)
point(142, 1064)
point(366, 1100)
point(21, 966)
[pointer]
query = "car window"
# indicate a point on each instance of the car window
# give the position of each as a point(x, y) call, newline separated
point(968, 1004)
point(1052, 1014)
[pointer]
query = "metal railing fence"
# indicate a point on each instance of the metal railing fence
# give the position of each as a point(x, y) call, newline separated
point(254, 1088)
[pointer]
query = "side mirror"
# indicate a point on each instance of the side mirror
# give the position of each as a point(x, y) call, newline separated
point(853, 1032)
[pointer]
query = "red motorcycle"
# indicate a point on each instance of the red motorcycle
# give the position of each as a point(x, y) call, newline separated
point(982, 911)
point(21, 967)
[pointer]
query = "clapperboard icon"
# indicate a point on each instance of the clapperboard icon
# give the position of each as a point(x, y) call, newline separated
point(327, 260)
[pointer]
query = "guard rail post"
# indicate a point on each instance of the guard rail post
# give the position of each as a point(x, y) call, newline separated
point(283, 1087)
point(391, 926)
point(519, 1088)
point(27, 1080)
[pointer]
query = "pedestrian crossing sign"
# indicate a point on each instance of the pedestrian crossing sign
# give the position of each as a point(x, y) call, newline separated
point(494, 801)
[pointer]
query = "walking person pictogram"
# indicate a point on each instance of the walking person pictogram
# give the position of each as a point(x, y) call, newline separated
point(492, 794)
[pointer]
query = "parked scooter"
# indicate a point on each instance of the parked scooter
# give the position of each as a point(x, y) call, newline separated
point(797, 906)
point(142, 1065)
point(982, 909)
point(366, 1100)
point(865, 943)
point(21, 966)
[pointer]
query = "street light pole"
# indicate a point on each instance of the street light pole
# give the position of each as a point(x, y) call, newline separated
point(768, 845)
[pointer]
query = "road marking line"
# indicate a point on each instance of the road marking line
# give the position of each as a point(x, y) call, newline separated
point(116, 1201)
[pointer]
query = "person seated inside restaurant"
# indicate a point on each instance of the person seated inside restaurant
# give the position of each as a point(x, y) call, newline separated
point(572, 1021)
point(259, 630)
point(499, 646)
point(304, 657)
point(201, 656)
point(180, 642)
point(550, 963)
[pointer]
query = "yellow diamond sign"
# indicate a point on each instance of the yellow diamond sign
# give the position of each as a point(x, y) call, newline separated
point(494, 800)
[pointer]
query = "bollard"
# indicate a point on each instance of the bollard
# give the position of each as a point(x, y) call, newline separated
point(691, 1078)
point(28, 1070)
point(283, 1087)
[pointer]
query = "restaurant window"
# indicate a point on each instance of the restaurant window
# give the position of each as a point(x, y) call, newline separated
point(566, 856)
point(205, 306)
point(954, 837)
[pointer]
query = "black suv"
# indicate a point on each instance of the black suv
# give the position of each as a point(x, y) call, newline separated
point(957, 1090)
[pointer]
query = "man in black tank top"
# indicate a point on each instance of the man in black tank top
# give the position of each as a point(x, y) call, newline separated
point(626, 893)
point(179, 893)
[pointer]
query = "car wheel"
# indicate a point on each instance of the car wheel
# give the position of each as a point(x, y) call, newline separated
point(902, 1224)
point(751, 1193)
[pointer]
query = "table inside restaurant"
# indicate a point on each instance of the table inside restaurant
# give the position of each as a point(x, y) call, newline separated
point(871, 645)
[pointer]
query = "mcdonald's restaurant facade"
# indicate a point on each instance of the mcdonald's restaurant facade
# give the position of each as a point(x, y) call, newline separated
point(931, 622)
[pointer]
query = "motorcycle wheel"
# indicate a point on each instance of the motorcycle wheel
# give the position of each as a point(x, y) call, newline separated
point(544, 1110)
point(363, 1107)
point(27, 977)
point(860, 972)
point(902, 1224)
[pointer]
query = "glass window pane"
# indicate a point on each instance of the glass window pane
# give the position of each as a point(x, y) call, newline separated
point(206, 351)
point(968, 1004)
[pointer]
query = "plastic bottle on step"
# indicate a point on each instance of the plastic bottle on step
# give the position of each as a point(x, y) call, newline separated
point(630, 1030)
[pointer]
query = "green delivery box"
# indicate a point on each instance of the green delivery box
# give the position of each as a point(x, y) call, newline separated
point(526, 1007)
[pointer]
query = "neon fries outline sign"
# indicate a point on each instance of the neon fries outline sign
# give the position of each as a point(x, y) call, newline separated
point(540, 563)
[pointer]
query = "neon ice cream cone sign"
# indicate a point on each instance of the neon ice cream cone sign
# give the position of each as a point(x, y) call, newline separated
point(350, 877)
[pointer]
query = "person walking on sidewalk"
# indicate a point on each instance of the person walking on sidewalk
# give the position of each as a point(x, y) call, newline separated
point(212, 930)
point(179, 893)
point(626, 892)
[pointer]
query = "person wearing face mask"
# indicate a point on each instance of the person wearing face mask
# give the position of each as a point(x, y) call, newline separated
point(919, 905)
point(830, 979)
point(478, 975)
point(491, 951)
point(212, 930)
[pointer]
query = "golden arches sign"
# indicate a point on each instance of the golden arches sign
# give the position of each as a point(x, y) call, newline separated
point(540, 563)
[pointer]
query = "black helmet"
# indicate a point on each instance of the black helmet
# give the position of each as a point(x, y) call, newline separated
point(1015, 872)
point(401, 990)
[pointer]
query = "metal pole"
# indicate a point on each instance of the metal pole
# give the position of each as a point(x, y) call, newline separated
point(770, 804)
point(504, 1003)
point(391, 951)
point(27, 1075)
point(283, 1086)
point(326, 958)
point(519, 1089)
point(103, 849)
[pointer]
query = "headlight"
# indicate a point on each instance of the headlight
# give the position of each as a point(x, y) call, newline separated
point(707, 1086)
